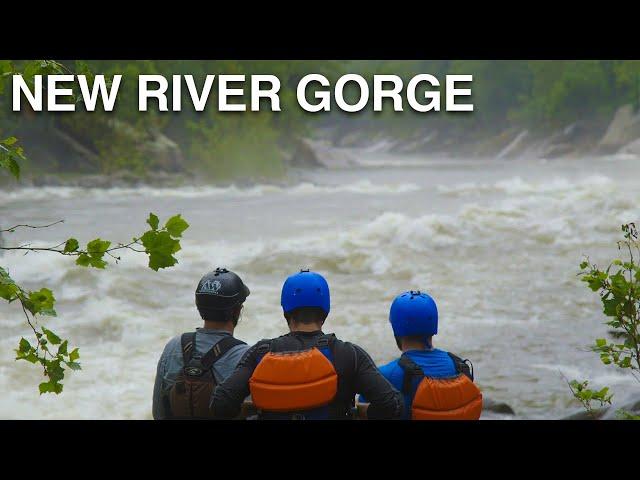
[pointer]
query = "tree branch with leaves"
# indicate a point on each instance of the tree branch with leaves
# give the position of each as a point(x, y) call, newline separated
point(619, 288)
point(47, 349)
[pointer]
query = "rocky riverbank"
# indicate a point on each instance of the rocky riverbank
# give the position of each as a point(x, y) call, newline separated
point(619, 134)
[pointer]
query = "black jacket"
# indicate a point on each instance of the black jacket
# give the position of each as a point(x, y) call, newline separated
point(357, 374)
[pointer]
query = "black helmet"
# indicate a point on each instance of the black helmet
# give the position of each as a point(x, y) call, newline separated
point(219, 290)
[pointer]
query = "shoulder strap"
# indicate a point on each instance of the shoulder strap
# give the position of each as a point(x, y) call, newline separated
point(188, 343)
point(219, 349)
point(462, 366)
point(326, 343)
point(264, 347)
point(411, 371)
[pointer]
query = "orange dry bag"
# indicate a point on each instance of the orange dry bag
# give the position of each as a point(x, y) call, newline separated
point(295, 385)
point(450, 398)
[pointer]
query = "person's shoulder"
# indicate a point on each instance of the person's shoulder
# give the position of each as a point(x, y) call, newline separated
point(175, 343)
point(263, 343)
point(389, 367)
point(451, 355)
point(342, 344)
point(352, 348)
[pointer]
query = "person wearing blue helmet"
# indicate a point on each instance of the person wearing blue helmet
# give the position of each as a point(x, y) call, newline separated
point(414, 320)
point(306, 374)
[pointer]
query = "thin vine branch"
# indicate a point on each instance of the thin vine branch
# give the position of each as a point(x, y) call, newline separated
point(22, 225)
point(56, 249)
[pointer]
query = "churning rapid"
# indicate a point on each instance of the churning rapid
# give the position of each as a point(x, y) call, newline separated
point(497, 243)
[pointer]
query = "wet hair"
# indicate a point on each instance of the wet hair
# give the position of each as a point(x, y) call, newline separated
point(306, 315)
point(413, 338)
point(222, 316)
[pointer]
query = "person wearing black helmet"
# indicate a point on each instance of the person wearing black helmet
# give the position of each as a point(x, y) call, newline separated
point(193, 363)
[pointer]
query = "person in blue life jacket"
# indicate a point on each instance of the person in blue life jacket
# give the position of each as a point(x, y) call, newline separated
point(435, 384)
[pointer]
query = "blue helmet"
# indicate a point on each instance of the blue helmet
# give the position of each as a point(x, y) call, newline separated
point(305, 289)
point(414, 313)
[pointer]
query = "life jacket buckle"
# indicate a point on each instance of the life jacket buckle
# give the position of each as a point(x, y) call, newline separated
point(193, 371)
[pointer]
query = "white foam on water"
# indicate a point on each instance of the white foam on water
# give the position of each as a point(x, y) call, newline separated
point(502, 271)
point(362, 187)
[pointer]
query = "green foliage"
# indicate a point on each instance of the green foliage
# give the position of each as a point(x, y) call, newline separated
point(619, 288)
point(161, 244)
point(586, 396)
point(71, 245)
point(51, 351)
point(40, 302)
point(10, 155)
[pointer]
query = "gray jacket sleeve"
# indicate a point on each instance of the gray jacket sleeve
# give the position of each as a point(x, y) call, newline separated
point(159, 409)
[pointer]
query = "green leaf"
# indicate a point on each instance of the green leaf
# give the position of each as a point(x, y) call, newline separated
point(600, 342)
point(97, 248)
point(9, 141)
point(74, 355)
point(153, 221)
point(50, 387)
point(10, 164)
point(40, 301)
point(8, 292)
point(62, 349)
point(176, 225)
point(24, 346)
point(74, 365)
point(32, 357)
point(5, 279)
point(71, 245)
point(85, 260)
point(52, 337)
point(160, 247)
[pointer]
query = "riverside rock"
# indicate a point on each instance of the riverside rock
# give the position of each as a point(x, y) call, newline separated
point(624, 128)
point(494, 406)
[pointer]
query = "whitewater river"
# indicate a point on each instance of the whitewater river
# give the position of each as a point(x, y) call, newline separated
point(496, 243)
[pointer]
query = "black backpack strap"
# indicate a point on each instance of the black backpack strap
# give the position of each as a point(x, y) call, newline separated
point(411, 371)
point(463, 366)
point(188, 344)
point(218, 350)
point(327, 341)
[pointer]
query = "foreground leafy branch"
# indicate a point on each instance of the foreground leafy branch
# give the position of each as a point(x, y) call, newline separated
point(160, 244)
point(619, 288)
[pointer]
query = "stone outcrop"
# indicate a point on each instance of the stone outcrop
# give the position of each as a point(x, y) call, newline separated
point(311, 153)
point(623, 129)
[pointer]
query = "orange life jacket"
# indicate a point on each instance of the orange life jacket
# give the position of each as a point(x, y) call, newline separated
point(450, 398)
point(295, 385)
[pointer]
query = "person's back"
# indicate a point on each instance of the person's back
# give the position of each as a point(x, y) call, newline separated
point(193, 363)
point(435, 384)
point(316, 375)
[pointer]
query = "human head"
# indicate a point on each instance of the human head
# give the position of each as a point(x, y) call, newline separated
point(414, 319)
point(305, 299)
point(220, 295)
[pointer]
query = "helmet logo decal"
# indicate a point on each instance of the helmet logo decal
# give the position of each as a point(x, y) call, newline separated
point(211, 286)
